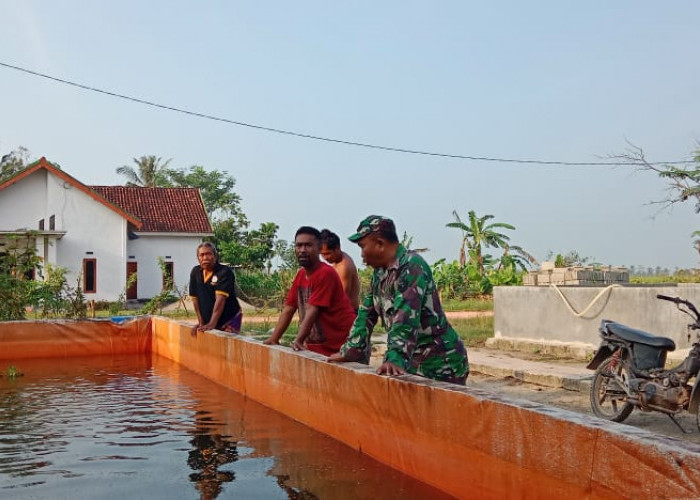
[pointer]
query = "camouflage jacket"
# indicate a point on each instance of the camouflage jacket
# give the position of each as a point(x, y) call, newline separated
point(419, 338)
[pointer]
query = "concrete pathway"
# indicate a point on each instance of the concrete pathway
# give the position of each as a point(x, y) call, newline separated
point(558, 373)
point(567, 374)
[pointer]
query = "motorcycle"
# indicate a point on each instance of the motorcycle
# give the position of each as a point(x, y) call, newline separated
point(630, 373)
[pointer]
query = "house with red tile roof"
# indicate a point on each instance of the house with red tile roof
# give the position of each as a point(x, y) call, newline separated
point(103, 234)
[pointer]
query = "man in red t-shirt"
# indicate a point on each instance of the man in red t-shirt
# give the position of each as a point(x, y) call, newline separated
point(325, 312)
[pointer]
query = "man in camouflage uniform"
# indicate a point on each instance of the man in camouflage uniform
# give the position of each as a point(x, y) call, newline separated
point(403, 294)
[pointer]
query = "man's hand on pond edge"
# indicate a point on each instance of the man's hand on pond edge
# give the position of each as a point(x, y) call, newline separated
point(336, 358)
point(390, 369)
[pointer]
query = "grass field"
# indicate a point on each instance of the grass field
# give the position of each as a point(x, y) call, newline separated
point(472, 331)
point(468, 304)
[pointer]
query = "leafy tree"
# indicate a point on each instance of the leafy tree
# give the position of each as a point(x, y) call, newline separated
point(246, 249)
point(220, 200)
point(150, 171)
point(238, 245)
point(18, 263)
point(228, 230)
point(284, 251)
point(13, 162)
point(261, 244)
point(478, 234)
point(683, 181)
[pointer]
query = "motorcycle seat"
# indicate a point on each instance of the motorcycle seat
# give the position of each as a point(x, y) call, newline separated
point(640, 336)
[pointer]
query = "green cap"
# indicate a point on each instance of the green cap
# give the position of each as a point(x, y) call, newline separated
point(372, 224)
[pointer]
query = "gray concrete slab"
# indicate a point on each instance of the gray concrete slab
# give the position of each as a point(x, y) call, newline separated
point(569, 374)
point(566, 374)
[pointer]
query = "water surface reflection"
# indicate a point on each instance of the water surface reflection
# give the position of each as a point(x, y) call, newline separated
point(147, 428)
point(211, 451)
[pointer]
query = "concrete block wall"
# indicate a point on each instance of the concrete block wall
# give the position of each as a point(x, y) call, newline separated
point(576, 276)
point(553, 314)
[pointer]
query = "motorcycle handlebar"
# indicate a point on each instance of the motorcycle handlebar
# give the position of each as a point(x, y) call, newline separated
point(689, 305)
point(670, 299)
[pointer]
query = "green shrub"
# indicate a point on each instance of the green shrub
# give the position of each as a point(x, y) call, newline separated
point(18, 264)
point(264, 290)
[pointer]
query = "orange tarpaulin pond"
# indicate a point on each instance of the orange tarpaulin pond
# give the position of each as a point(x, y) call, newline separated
point(467, 442)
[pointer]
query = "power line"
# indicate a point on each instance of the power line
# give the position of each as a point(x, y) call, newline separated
point(328, 139)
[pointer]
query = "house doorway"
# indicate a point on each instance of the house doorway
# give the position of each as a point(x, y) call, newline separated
point(131, 268)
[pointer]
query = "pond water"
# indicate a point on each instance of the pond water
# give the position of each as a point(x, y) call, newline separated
point(145, 427)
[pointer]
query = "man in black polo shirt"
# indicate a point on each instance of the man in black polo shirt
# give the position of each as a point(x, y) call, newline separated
point(212, 290)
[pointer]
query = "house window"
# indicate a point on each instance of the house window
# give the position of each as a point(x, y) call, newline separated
point(41, 225)
point(89, 275)
point(52, 223)
point(168, 283)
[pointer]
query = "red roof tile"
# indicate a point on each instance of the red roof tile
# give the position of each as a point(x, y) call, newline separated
point(172, 210)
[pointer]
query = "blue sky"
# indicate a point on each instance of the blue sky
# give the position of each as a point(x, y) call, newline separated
point(555, 81)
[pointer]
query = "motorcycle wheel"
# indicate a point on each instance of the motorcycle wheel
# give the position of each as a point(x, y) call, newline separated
point(608, 397)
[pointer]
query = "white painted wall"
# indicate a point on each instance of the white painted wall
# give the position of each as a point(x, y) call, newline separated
point(90, 227)
point(23, 204)
point(181, 250)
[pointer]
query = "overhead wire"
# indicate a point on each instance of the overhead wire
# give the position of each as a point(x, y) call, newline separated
point(330, 139)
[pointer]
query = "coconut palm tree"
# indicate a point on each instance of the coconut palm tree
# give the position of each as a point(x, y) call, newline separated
point(478, 234)
point(150, 172)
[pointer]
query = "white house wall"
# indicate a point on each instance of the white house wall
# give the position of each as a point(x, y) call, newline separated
point(145, 251)
point(90, 226)
point(23, 204)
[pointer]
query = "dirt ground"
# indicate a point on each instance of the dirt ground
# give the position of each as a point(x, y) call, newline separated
point(579, 402)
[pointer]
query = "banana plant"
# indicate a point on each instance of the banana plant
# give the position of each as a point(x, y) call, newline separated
point(477, 234)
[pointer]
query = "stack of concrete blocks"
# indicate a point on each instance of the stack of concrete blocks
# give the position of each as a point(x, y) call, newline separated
point(576, 276)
